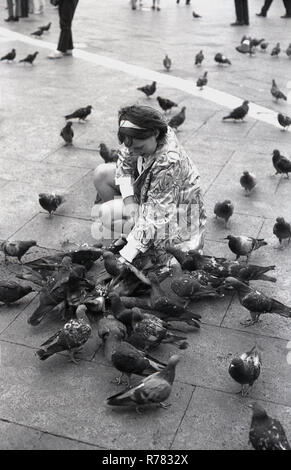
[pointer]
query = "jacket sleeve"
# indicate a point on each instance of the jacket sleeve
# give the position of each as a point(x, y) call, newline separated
point(124, 175)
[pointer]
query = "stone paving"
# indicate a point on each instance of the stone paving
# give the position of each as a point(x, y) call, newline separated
point(55, 404)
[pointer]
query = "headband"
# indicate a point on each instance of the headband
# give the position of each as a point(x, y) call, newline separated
point(130, 125)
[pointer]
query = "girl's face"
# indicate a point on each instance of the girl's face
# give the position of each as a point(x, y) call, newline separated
point(141, 147)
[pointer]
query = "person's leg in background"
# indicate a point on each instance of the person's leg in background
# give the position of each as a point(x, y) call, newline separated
point(31, 6)
point(66, 11)
point(287, 5)
point(239, 13)
point(17, 9)
point(265, 8)
point(24, 8)
point(245, 12)
point(10, 10)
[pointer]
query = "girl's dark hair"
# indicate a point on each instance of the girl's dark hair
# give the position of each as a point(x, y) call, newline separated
point(146, 117)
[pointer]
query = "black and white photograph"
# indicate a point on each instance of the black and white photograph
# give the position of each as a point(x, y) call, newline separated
point(145, 226)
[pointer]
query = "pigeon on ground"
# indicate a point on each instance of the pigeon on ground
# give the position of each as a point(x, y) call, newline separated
point(264, 45)
point(282, 230)
point(244, 246)
point(37, 33)
point(166, 104)
point(50, 201)
point(129, 360)
point(266, 433)
point(10, 291)
point(257, 42)
point(191, 289)
point(111, 331)
point(221, 59)
point(224, 210)
point(67, 133)
point(178, 119)
point(246, 369)
point(239, 113)
point(288, 50)
point(80, 113)
point(45, 28)
point(154, 389)
point(284, 120)
point(148, 90)
point(248, 182)
point(184, 258)
point(199, 58)
point(277, 93)
point(195, 15)
point(167, 63)
point(48, 301)
point(16, 248)
point(281, 164)
point(71, 337)
point(109, 156)
point(256, 302)
point(202, 81)
point(30, 58)
point(276, 50)
point(10, 56)
point(247, 46)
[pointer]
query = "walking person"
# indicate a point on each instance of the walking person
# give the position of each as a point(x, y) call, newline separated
point(66, 13)
point(14, 11)
point(268, 3)
point(154, 5)
point(242, 13)
point(187, 2)
point(24, 9)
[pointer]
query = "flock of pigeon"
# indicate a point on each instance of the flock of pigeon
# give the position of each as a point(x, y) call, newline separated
point(133, 305)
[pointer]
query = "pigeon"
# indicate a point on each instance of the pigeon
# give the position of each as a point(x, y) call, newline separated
point(199, 58)
point(282, 230)
point(276, 50)
point(178, 119)
point(284, 120)
point(239, 113)
point(266, 433)
point(50, 201)
point(224, 210)
point(30, 58)
point(167, 63)
point(202, 81)
point(148, 90)
point(245, 48)
point(166, 104)
point(195, 15)
point(48, 301)
point(71, 337)
point(37, 33)
point(80, 113)
point(264, 45)
point(221, 59)
point(10, 291)
point(288, 50)
point(154, 389)
point(246, 369)
point(256, 302)
point(109, 156)
point(191, 289)
point(67, 133)
point(277, 93)
point(184, 258)
point(248, 181)
point(129, 360)
point(45, 28)
point(10, 56)
point(281, 163)
point(257, 42)
point(111, 331)
point(16, 248)
point(244, 246)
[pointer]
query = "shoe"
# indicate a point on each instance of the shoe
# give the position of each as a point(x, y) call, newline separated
point(10, 18)
point(237, 23)
point(153, 8)
point(158, 9)
point(55, 55)
point(286, 16)
point(68, 52)
point(262, 14)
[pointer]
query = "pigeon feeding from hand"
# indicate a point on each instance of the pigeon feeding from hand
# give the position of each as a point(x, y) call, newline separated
point(148, 90)
point(266, 433)
point(276, 50)
point(246, 369)
point(277, 93)
point(244, 246)
point(199, 58)
point(10, 56)
point(202, 81)
point(284, 120)
point(67, 133)
point(30, 58)
point(167, 63)
point(178, 119)
point(282, 230)
point(50, 201)
point(154, 389)
point(45, 28)
point(16, 248)
point(221, 59)
point(10, 291)
point(109, 156)
point(264, 45)
point(248, 182)
point(238, 113)
point(166, 104)
point(256, 302)
point(224, 210)
point(37, 33)
point(288, 50)
point(281, 164)
point(80, 113)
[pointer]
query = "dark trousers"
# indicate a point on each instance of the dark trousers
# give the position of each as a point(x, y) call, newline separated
point(242, 11)
point(66, 13)
point(287, 5)
point(268, 3)
point(24, 8)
